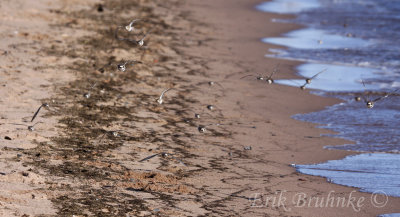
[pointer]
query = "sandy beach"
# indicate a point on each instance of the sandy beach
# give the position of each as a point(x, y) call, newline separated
point(87, 155)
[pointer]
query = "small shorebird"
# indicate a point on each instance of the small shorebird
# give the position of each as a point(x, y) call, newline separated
point(130, 27)
point(30, 127)
point(212, 83)
point(203, 128)
point(308, 80)
point(247, 148)
point(199, 115)
point(163, 155)
point(37, 112)
point(160, 100)
point(370, 103)
point(210, 107)
point(141, 41)
point(87, 95)
point(122, 66)
point(112, 133)
point(269, 80)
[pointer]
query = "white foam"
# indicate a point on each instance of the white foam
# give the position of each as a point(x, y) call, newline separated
point(310, 38)
point(370, 172)
point(288, 6)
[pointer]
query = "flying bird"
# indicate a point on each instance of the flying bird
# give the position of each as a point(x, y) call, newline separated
point(122, 66)
point(258, 77)
point(87, 95)
point(370, 103)
point(308, 80)
point(37, 112)
point(30, 127)
point(130, 27)
point(160, 100)
point(163, 155)
point(141, 41)
point(269, 79)
point(212, 83)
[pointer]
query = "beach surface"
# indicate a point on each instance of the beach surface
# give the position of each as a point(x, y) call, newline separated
point(84, 157)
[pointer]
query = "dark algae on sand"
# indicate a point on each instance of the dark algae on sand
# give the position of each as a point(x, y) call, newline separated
point(86, 178)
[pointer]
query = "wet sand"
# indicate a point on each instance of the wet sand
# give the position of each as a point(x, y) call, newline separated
point(73, 164)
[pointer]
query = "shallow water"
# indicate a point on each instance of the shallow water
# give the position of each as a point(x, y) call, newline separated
point(361, 171)
point(354, 41)
point(311, 38)
point(390, 215)
point(335, 78)
point(288, 6)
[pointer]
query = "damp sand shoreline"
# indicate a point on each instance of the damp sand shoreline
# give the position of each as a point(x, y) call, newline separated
point(299, 142)
point(56, 50)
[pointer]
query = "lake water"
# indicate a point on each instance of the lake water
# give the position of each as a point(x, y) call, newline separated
point(355, 41)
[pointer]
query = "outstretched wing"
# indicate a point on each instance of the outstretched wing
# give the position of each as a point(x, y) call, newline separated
point(366, 96)
point(135, 62)
point(37, 112)
point(318, 74)
point(246, 76)
point(274, 71)
point(162, 94)
point(382, 97)
point(220, 85)
point(134, 21)
point(149, 157)
point(145, 35)
point(179, 161)
point(122, 39)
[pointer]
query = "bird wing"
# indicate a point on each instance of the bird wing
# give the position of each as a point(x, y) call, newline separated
point(179, 160)
point(144, 36)
point(275, 70)
point(149, 157)
point(219, 85)
point(134, 21)
point(382, 97)
point(246, 76)
point(366, 96)
point(116, 34)
point(19, 124)
point(122, 39)
point(134, 62)
point(39, 122)
point(162, 94)
point(318, 74)
point(95, 83)
point(36, 113)
point(101, 139)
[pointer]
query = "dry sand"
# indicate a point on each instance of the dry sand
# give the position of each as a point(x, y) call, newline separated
point(72, 164)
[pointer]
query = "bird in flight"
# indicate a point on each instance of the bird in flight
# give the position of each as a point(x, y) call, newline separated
point(122, 66)
point(160, 100)
point(38, 110)
point(370, 103)
point(130, 27)
point(87, 95)
point(308, 80)
point(269, 79)
point(163, 155)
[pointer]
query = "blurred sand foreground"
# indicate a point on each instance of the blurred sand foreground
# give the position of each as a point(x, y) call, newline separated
point(83, 157)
